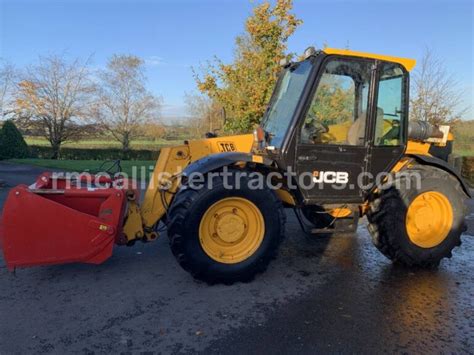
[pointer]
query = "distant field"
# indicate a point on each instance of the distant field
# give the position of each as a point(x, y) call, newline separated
point(463, 144)
point(464, 138)
point(88, 165)
point(463, 149)
point(106, 143)
point(464, 152)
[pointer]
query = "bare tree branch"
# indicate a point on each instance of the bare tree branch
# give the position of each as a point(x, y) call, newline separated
point(123, 103)
point(206, 114)
point(436, 94)
point(53, 97)
point(7, 85)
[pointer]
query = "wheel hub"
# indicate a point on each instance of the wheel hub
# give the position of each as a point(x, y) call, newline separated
point(231, 230)
point(230, 227)
point(429, 219)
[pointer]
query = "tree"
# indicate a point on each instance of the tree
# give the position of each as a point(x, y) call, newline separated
point(436, 97)
point(7, 83)
point(206, 114)
point(124, 104)
point(53, 98)
point(333, 102)
point(153, 130)
point(12, 144)
point(243, 88)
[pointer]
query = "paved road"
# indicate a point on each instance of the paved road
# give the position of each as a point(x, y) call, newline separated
point(334, 294)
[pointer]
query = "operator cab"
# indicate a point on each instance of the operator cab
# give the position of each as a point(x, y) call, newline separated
point(339, 112)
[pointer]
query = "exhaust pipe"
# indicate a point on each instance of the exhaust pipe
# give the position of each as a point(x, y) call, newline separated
point(422, 130)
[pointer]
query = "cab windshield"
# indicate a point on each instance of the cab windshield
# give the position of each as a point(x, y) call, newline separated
point(284, 101)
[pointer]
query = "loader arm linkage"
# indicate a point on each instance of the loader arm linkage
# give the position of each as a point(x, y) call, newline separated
point(141, 220)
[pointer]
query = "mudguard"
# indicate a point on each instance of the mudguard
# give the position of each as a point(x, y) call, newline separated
point(429, 160)
point(215, 161)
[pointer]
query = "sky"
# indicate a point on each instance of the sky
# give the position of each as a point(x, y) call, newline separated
point(176, 36)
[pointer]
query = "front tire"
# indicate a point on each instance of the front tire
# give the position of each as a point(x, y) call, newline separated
point(223, 235)
point(421, 225)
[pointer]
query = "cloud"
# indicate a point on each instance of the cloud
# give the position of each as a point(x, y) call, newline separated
point(154, 61)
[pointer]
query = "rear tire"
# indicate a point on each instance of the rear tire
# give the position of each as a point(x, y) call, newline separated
point(392, 231)
point(185, 231)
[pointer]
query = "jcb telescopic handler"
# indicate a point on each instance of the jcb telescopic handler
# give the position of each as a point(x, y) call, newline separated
point(337, 120)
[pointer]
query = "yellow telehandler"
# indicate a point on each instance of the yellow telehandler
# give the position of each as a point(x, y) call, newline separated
point(334, 144)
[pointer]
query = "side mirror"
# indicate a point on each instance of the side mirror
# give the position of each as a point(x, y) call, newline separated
point(309, 52)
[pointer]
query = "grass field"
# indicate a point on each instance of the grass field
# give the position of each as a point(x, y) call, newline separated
point(90, 165)
point(464, 152)
point(462, 146)
point(464, 138)
point(107, 143)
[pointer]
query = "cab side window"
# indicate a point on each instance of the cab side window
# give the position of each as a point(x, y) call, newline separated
point(390, 103)
point(338, 110)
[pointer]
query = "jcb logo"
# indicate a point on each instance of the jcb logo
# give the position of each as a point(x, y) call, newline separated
point(331, 177)
point(226, 147)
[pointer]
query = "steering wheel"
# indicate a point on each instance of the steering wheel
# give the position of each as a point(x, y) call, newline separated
point(321, 127)
point(312, 120)
point(314, 127)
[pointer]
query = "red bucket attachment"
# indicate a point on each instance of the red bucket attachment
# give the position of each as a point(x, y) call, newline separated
point(42, 225)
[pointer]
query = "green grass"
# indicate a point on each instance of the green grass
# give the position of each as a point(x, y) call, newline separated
point(464, 152)
point(107, 143)
point(463, 138)
point(88, 165)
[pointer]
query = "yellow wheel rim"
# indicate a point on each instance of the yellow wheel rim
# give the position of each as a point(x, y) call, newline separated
point(429, 219)
point(231, 230)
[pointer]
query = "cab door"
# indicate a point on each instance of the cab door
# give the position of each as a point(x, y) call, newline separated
point(389, 127)
point(332, 144)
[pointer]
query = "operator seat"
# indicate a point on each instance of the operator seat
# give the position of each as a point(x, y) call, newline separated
point(356, 133)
